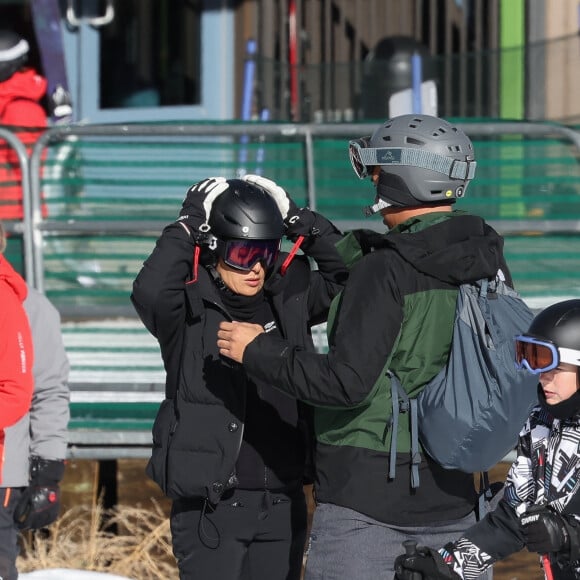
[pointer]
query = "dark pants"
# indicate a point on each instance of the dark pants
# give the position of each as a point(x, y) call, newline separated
point(345, 544)
point(250, 535)
point(8, 532)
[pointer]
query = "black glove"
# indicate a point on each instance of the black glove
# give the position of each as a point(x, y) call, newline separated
point(39, 504)
point(198, 201)
point(546, 531)
point(424, 563)
point(298, 221)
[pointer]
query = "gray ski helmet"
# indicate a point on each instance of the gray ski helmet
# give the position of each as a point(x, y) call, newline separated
point(560, 324)
point(13, 53)
point(423, 160)
point(245, 211)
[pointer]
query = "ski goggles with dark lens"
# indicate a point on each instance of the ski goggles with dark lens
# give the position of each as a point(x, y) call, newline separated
point(540, 356)
point(354, 152)
point(244, 254)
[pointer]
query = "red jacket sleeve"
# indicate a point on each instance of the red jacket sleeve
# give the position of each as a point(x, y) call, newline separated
point(16, 359)
point(25, 113)
point(28, 114)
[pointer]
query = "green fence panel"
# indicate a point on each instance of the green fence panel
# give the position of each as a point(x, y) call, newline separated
point(91, 179)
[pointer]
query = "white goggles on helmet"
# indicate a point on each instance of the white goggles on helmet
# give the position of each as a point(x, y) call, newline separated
point(363, 158)
point(540, 356)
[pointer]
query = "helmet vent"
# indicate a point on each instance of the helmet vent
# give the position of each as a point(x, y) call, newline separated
point(414, 141)
point(387, 138)
point(454, 148)
point(228, 219)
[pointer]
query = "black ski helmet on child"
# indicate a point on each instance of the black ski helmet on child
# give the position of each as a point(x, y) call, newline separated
point(559, 324)
point(423, 160)
point(245, 211)
point(13, 53)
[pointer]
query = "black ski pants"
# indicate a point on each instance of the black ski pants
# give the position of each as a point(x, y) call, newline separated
point(249, 535)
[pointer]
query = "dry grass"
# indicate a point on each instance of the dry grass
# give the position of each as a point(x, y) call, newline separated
point(128, 541)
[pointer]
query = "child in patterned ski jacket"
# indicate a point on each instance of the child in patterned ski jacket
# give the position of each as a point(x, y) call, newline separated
point(540, 508)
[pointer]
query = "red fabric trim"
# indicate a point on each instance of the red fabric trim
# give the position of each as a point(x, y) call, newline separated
point(194, 270)
point(291, 255)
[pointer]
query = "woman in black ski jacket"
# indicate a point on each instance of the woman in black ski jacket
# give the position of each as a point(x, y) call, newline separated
point(232, 453)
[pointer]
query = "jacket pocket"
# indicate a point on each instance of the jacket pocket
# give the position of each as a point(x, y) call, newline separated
point(163, 429)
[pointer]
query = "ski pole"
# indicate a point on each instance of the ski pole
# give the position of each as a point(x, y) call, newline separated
point(410, 550)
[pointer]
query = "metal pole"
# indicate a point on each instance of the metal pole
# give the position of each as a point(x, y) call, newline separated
point(27, 230)
point(416, 66)
point(310, 174)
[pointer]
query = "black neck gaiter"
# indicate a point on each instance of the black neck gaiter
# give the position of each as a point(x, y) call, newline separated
point(563, 410)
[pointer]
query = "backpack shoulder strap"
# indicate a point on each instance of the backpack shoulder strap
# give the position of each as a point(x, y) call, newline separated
point(402, 403)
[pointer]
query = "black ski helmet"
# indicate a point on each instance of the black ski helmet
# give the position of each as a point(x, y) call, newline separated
point(560, 324)
point(13, 53)
point(423, 160)
point(245, 211)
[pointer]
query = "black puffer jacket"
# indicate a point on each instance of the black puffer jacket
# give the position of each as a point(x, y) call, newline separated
point(199, 427)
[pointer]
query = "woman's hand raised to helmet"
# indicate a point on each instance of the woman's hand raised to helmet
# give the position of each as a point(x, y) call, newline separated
point(284, 202)
point(198, 201)
point(298, 222)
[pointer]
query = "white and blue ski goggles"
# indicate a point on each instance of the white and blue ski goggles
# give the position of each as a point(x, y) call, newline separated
point(363, 158)
point(540, 356)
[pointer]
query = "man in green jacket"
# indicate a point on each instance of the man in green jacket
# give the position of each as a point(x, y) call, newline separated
point(396, 313)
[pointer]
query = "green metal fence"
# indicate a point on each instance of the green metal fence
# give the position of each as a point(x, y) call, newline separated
point(108, 191)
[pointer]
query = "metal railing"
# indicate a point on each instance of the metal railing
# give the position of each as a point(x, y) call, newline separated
point(303, 133)
point(24, 227)
point(38, 229)
point(312, 171)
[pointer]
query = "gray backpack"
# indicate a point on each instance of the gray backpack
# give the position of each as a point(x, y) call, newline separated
point(469, 415)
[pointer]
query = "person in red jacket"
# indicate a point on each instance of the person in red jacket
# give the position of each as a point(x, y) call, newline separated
point(21, 92)
point(16, 351)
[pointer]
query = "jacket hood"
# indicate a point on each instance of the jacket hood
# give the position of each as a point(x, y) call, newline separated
point(22, 84)
point(10, 277)
point(451, 246)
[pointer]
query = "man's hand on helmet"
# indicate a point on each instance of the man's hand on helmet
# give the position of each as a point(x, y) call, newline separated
point(298, 222)
point(198, 201)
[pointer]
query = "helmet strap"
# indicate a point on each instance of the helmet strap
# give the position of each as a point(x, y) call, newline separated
point(216, 278)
